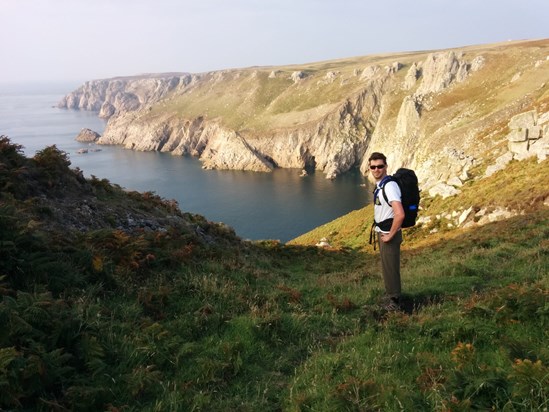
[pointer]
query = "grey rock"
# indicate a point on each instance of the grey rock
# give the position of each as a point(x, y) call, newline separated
point(455, 181)
point(370, 72)
point(501, 163)
point(444, 190)
point(477, 63)
point(414, 72)
point(440, 70)
point(297, 76)
point(523, 120)
point(529, 135)
point(464, 216)
point(107, 110)
point(534, 132)
point(518, 135)
point(87, 136)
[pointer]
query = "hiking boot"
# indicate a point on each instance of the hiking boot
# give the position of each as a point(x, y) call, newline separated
point(392, 305)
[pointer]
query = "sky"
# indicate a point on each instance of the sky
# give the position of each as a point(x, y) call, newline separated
point(80, 40)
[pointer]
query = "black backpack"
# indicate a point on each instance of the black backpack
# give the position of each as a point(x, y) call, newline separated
point(409, 188)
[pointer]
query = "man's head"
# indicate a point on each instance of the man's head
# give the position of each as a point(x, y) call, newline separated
point(378, 165)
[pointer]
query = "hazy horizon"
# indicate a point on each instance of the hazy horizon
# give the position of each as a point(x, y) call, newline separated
point(64, 41)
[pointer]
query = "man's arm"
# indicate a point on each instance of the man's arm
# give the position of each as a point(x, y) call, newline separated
point(398, 210)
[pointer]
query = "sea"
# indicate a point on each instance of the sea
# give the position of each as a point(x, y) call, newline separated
point(280, 205)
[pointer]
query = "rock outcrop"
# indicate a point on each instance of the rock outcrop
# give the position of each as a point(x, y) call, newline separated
point(87, 136)
point(440, 70)
point(528, 137)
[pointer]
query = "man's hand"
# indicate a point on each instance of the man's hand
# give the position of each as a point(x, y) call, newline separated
point(385, 237)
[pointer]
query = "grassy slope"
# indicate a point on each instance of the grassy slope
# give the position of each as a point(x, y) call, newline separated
point(467, 294)
point(169, 320)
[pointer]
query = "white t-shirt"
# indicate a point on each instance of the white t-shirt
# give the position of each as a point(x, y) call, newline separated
point(382, 209)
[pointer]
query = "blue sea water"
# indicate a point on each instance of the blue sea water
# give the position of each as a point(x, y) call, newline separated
point(279, 205)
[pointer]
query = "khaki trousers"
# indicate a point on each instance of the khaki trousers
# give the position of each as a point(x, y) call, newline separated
point(390, 264)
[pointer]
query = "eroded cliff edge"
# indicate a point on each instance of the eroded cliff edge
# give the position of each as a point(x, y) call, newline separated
point(445, 113)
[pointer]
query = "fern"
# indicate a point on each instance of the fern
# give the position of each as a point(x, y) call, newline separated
point(93, 353)
point(7, 355)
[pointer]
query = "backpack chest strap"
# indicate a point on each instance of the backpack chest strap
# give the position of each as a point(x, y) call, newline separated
point(381, 186)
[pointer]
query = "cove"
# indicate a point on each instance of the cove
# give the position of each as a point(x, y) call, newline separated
point(279, 205)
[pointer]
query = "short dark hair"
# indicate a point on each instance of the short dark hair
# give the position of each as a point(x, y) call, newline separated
point(377, 156)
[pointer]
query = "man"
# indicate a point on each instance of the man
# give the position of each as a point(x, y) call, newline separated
point(388, 216)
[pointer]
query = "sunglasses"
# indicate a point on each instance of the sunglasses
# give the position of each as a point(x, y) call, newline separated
point(373, 167)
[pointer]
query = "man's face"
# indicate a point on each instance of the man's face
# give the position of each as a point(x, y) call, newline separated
point(378, 169)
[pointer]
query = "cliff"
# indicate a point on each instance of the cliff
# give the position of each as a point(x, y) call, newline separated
point(444, 113)
point(121, 94)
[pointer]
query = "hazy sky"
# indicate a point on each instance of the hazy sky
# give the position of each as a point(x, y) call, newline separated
point(78, 40)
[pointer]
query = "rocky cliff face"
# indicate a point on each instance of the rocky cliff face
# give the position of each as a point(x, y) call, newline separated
point(445, 114)
point(333, 143)
point(112, 96)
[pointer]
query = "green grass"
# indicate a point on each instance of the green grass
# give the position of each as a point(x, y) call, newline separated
point(167, 320)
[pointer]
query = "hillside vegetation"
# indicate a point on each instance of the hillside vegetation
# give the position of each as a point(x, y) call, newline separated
point(118, 301)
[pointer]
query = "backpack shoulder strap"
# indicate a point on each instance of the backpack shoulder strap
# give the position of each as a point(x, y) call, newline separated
point(386, 180)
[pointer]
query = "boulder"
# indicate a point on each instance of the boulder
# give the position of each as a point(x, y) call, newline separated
point(501, 163)
point(323, 243)
point(370, 72)
point(455, 181)
point(443, 190)
point(529, 135)
point(393, 68)
point(477, 63)
point(331, 76)
point(88, 136)
point(534, 132)
point(297, 76)
point(496, 215)
point(540, 148)
point(523, 120)
point(519, 150)
point(518, 135)
point(464, 216)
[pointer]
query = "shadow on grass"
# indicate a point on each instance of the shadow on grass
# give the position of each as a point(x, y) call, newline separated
point(410, 303)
